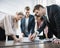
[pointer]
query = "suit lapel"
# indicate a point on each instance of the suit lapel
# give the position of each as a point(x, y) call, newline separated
point(29, 20)
point(49, 13)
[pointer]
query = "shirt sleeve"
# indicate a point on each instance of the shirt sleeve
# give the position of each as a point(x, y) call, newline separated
point(8, 26)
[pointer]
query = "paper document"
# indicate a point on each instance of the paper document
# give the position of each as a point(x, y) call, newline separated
point(26, 39)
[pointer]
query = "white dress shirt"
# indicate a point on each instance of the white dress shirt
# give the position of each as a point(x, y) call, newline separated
point(26, 24)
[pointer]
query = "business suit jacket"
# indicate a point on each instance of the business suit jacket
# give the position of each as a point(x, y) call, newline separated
point(54, 21)
point(31, 25)
point(54, 18)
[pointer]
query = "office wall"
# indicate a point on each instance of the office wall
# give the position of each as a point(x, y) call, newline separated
point(13, 6)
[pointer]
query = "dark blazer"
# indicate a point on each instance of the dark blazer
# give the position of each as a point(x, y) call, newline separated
point(31, 25)
point(54, 18)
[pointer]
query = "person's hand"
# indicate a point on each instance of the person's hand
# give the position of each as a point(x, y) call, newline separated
point(29, 36)
point(57, 41)
point(16, 39)
point(32, 37)
point(19, 39)
point(21, 36)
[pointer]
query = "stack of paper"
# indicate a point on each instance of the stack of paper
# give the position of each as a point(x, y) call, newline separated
point(25, 39)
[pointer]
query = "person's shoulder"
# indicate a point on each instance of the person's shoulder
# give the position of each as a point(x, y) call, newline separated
point(31, 15)
point(7, 16)
point(53, 5)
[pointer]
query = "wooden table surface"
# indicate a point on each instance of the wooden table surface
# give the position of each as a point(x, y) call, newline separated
point(35, 44)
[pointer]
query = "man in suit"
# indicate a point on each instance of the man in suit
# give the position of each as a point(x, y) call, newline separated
point(8, 26)
point(27, 23)
point(52, 13)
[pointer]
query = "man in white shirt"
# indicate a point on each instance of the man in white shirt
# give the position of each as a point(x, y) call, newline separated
point(27, 23)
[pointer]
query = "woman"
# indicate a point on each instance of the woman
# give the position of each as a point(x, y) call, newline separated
point(8, 26)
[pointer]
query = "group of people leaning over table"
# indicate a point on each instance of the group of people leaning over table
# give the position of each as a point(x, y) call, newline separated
point(46, 19)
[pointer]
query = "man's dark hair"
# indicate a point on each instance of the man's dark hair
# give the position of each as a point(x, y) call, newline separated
point(27, 8)
point(37, 7)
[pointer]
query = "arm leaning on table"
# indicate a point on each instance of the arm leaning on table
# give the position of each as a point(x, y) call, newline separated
point(8, 27)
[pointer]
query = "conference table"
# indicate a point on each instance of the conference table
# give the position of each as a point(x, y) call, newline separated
point(28, 44)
